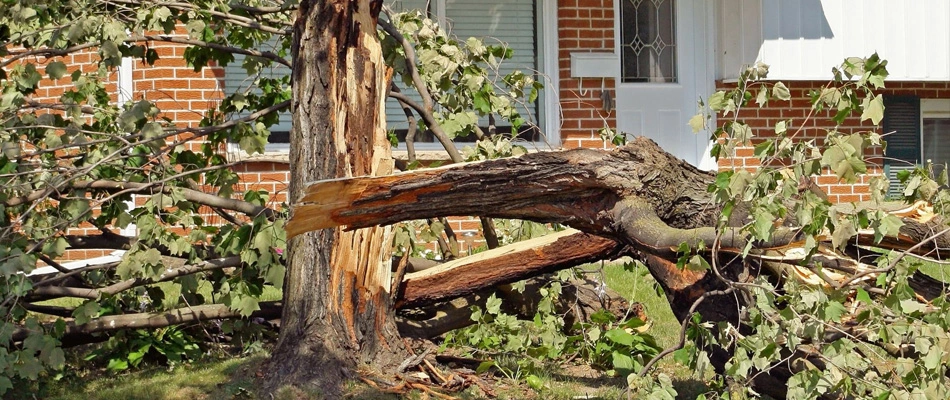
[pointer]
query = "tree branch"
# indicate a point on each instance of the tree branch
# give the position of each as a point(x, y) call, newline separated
point(157, 320)
point(47, 292)
point(153, 188)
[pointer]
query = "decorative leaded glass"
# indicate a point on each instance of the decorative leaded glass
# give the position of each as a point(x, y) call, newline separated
point(648, 47)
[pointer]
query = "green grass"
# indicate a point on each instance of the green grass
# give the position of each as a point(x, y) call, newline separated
point(234, 378)
point(215, 378)
point(638, 286)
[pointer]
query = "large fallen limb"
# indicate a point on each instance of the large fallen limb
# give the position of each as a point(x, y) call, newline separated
point(581, 188)
point(573, 187)
point(503, 265)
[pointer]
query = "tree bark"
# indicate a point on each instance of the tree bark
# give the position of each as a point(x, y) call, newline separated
point(337, 308)
point(637, 195)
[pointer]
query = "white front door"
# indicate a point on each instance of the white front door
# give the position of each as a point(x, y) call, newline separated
point(667, 65)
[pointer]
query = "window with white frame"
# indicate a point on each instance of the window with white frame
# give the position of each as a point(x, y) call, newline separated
point(935, 132)
point(515, 23)
point(917, 132)
point(237, 80)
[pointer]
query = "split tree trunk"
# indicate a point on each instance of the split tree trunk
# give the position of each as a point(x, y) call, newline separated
point(337, 308)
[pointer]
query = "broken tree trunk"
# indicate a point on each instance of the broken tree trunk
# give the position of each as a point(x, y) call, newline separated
point(637, 195)
point(337, 309)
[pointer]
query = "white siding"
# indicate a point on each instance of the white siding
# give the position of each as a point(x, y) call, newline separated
point(803, 39)
point(237, 80)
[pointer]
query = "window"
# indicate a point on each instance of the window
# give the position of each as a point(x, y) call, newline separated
point(648, 46)
point(514, 22)
point(935, 132)
point(236, 79)
point(917, 131)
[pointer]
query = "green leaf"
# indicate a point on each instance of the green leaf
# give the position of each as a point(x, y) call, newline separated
point(697, 263)
point(844, 231)
point(863, 296)
point(911, 306)
point(29, 367)
point(741, 132)
point(5, 384)
point(56, 358)
point(56, 69)
point(685, 355)
point(762, 98)
point(534, 382)
point(620, 336)
point(55, 247)
point(116, 364)
point(622, 363)
point(248, 305)
point(717, 101)
point(275, 275)
point(873, 109)
point(781, 92)
point(763, 223)
point(833, 310)
point(493, 305)
point(86, 312)
point(890, 225)
point(484, 367)
point(110, 49)
point(697, 123)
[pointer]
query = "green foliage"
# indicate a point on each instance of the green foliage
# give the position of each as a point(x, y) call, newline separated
point(619, 347)
point(128, 349)
point(81, 162)
point(462, 75)
point(872, 337)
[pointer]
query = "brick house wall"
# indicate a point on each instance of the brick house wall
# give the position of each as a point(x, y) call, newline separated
point(763, 120)
point(584, 26)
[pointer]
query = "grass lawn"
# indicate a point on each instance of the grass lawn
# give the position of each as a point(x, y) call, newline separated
point(221, 377)
point(212, 378)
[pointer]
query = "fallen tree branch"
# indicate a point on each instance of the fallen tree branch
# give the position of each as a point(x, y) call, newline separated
point(47, 292)
point(157, 320)
point(504, 265)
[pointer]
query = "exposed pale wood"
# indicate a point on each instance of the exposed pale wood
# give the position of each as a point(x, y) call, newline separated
point(506, 264)
point(338, 311)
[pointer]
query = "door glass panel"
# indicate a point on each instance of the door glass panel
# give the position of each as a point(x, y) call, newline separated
point(648, 45)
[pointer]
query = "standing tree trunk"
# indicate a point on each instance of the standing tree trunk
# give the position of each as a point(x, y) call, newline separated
point(337, 313)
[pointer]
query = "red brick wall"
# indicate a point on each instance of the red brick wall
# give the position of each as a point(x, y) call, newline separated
point(763, 121)
point(584, 26)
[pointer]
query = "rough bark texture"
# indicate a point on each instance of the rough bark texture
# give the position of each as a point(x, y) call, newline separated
point(573, 187)
point(337, 312)
point(637, 195)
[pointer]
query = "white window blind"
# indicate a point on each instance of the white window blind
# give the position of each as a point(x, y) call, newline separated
point(512, 23)
point(237, 80)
